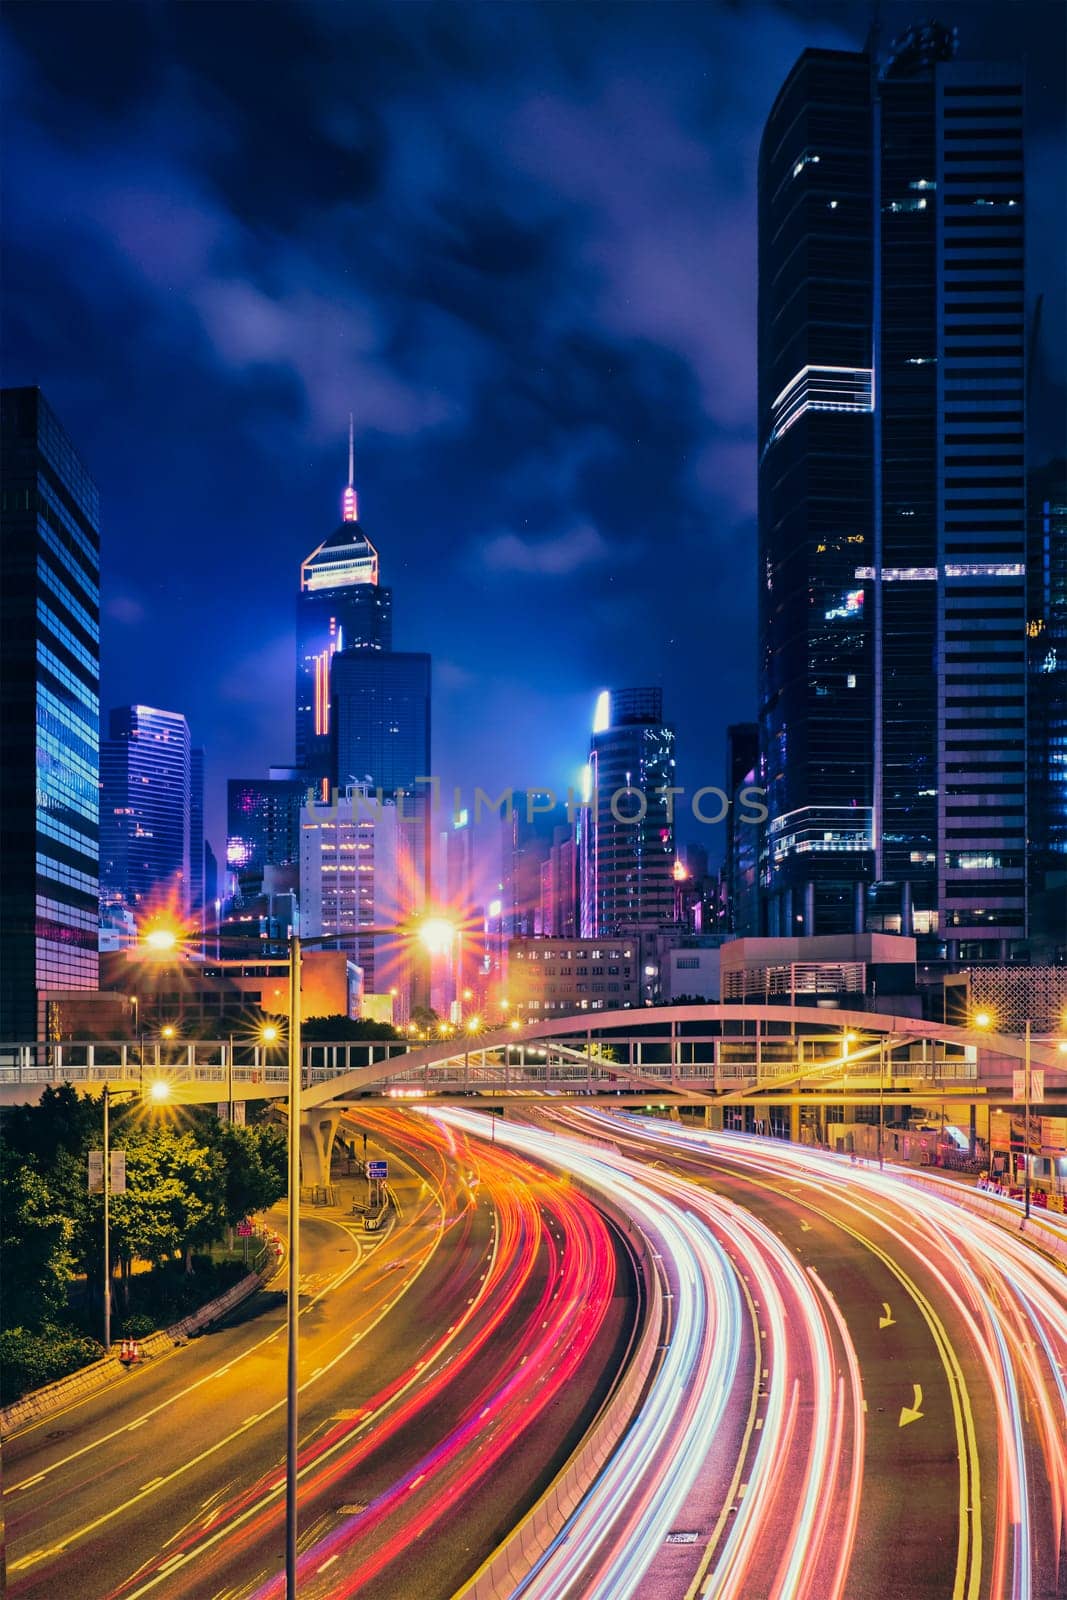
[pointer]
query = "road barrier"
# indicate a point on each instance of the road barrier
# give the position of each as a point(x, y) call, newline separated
point(512, 1561)
point(1003, 1210)
point(56, 1396)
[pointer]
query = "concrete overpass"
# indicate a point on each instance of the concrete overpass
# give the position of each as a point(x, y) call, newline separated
point(698, 1054)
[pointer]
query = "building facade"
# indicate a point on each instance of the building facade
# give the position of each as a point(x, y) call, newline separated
point(562, 977)
point(1046, 630)
point(341, 606)
point(627, 832)
point(50, 674)
point(892, 507)
point(262, 829)
point(145, 823)
point(357, 874)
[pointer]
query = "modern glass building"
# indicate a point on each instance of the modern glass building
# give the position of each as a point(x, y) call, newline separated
point(626, 840)
point(892, 509)
point(50, 675)
point(1046, 630)
point(262, 827)
point(341, 606)
point(145, 784)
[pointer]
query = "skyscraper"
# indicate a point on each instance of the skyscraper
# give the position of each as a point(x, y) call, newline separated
point(262, 828)
point(892, 562)
point(627, 835)
point(196, 833)
point(1047, 702)
point(341, 606)
point(740, 853)
point(381, 729)
point(49, 759)
point(145, 809)
point(355, 873)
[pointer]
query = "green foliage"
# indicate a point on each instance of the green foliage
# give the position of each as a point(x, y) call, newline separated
point(32, 1357)
point(425, 1019)
point(35, 1241)
point(173, 1199)
point(345, 1030)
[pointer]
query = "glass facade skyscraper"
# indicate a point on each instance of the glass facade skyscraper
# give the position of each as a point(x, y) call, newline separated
point(262, 828)
point(892, 560)
point(341, 606)
point(1046, 630)
point(626, 840)
point(145, 783)
point(50, 674)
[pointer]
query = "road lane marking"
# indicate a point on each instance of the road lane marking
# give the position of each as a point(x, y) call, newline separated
point(886, 1319)
point(913, 1412)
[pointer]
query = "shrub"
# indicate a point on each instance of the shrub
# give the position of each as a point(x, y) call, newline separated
point(30, 1358)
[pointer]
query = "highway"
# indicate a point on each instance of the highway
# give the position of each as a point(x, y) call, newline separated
point(414, 1394)
point(882, 1408)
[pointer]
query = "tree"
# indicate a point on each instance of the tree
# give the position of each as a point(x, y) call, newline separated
point(255, 1171)
point(174, 1200)
point(342, 1030)
point(62, 1121)
point(35, 1243)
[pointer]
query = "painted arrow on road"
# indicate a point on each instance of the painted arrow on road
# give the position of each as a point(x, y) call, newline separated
point(913, 1412)
point(886, 1320)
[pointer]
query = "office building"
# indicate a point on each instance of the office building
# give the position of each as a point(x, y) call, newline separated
point(50, 676)
point(891, 483)
point(145, 790)
point(1046, 629)
point(341, 606)
point(741, 850)
point(550, 978)
point(357, 872)
point(626, 838)
point(262, 828)
point(381, 727)
point(197, 842)
point(528, 827)
point(559, 886)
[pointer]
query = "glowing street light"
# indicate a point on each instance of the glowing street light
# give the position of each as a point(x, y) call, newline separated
point(437, 935)
point(160, 940)
point(268, 1033)
point(159, 1090)
point(982, 1019)
point(168, 1030)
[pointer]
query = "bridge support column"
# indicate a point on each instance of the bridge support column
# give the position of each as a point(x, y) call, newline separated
point(794, 1124)
point(318, 1129)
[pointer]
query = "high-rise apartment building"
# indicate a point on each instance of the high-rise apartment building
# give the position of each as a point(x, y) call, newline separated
point(341, 606)
point(49, 741)
point(626, 839)
point(145, 783)
point(892, 497)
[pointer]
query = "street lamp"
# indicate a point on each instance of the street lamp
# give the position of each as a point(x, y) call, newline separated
point(160, 1091)
point(983, 1019)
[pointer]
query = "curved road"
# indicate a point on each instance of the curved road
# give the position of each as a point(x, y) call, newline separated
point(426, 1357)
point(879, 1377)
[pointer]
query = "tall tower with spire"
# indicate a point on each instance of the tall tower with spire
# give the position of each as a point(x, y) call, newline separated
point(340, 606)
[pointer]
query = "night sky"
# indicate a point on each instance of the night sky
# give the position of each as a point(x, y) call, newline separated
point(518, 242)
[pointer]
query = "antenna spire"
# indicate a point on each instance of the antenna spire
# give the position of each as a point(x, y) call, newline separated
point(349, 503)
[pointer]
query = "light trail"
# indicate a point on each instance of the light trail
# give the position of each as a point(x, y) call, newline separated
point(803, 1480)
point(1009, 1300)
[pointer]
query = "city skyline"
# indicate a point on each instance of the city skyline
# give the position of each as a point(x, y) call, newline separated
point(553, 484)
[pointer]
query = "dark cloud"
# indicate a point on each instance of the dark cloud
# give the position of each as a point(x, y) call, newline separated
point(518, 241)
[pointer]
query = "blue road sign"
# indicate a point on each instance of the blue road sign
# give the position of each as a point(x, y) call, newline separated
point(377, 1169)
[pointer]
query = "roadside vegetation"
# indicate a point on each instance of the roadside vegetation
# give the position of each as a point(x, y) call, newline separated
point(190, 1179)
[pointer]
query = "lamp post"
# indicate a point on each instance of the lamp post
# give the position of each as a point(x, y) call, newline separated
point(160, 1091)
point(1026, 1123)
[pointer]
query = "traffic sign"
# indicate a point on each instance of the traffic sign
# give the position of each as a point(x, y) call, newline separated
point(244, 1229)
point(377, 1169)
